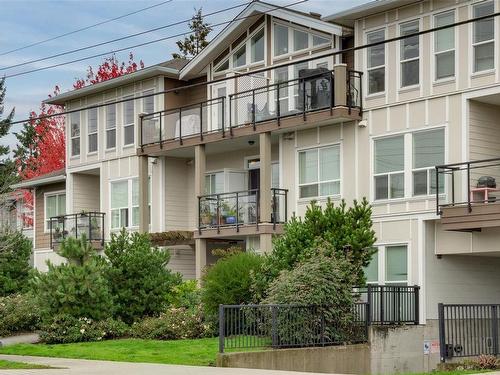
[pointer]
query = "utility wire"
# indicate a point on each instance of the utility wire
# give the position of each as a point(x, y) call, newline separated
point(119, 39)
point(193, 85)
point(142, 44)
point(85, 28)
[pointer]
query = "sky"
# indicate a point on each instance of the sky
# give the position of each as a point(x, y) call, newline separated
point(25, 22)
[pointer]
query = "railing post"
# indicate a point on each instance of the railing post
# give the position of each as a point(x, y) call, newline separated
point(64, 228)
point(199, 215)
point(368, 310)
point(90, 227)
point(102, 228)
point(331, 93)
point(416, 291)
point(180, 125)
point(253, 109)
point(469, 205)
point(161, 137)
point(141, 131)
point(494, 325)
point(322, 327)
point(274, 209)
point(278, 109)
point(257, 205)
point(237, 213)
point(286, 205)
point(201, 121)
point(382, 303)
point(442, 333)
point(274, 328)
point(221, 328)
point(303, 98)
point(438, 211)
point(453, 187)
point(223, 100)
point(369, 315)
point(230, 117)
point(51, 233)
point(218, 213)
point(360, 93)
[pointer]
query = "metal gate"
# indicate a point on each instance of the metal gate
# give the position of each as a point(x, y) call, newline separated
point(468, 330)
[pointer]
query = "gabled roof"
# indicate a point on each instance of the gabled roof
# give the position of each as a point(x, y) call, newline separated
point(347, 17)
point(45, 179)
point(244, 20)
point(168, 68)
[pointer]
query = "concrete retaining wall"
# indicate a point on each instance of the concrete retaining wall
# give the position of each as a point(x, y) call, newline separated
point(391, 350)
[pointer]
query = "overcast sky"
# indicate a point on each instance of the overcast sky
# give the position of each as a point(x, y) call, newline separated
point(26, 22)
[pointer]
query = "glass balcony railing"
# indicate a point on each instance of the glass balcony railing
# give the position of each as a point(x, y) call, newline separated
point(84, 224)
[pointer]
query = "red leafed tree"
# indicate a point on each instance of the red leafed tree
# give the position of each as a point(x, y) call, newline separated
point(43, 148)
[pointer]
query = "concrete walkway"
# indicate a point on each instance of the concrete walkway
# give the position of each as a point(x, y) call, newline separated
point(85, 367)
point(26, 338)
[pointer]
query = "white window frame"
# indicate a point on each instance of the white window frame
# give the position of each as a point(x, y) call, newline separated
point(437, 53)
point(130, 206)
point(337, 145)
point(127, 125)
point(109, 129)
point(403, 61)
point(474, 45)
point(46, 219)
point(389, 174)
point(381, 255)
point(75, 137)
point(96, 132)
point(148, 92)
point(368, 69)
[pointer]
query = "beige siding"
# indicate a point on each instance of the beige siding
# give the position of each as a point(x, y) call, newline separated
point(86, 193)
point(178, 208)
point(182, 261)
point(42, 238)
point(484, 130)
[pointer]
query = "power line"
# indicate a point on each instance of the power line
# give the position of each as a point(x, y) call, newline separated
point(119, 39)
point(277, 66)
point(85, 28)
point(142, 44)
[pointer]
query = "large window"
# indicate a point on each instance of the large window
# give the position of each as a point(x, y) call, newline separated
point(280, 40)
point(55, 205)
point(389, 168)
point(128, 121)
point(409, 54)
point(92, 129)
point(444, 46)
point(125, 203)
point(389, 265)
point(257, 47)
point(319, 172)
point(428, 151)
point(148, 103)
point(300, 40)
point(483, 38)
point(371, 271)
point(110, 126)
point(75, 133)
point(376, 62)
point(214, 183)
point(240, 56)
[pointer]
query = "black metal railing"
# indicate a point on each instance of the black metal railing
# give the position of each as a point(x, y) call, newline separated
point(469, 183)
point(88, 224)
point(391, 304)
point(467, 330)
point(235, 209)
point(254, 101)
point(289, 326)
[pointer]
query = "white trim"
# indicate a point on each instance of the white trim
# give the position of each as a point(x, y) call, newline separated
point(51, 194)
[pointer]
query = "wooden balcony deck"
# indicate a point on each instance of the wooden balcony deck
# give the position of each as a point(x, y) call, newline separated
point(481, 215)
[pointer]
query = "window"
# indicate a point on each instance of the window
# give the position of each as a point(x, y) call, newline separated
point(214, 183)
point(428, 151)
point(148, 103)
point(319, 40)
point(135, 201)
point(128, 121)
point(75, 133)
point(55, 205)
point(444, 46)
point(376, 62)
point(409, 54)
point(281, 75)
point(119, 204)
point(396, 264)
point(319, 172)
point(280, 40)
point(371, 271)
point(257, 47)
point(92, 129)
point(483, 39)
point(240, 57)
point(110, 126)
point(298, 96)
point(389, 168)
point(300, 40)
point(223, 66)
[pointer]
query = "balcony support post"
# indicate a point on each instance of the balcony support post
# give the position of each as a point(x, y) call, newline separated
point(265, 177)
point(340, 85)
point(200, 256)
point(266, 242)
point(143, 194)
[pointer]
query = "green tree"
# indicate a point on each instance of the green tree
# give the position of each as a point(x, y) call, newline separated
point(77, 288)
point(7, 166)
point(137, 275)
point(197, 40)
point(343, 229)
point(15, 252)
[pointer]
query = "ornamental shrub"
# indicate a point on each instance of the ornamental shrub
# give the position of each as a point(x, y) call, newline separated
point(229, 281)
point(172, 324)
point(67, 329)
point(137, 275)
point(186, 295)
point(77, 288)
point(343, 229)
point(18, 313)
point(15, 252)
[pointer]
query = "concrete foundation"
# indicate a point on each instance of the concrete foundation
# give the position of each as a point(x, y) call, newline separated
point(390, 350)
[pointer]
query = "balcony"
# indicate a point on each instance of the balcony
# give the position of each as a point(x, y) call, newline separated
point(314, 98)
point(85, 224)
point(473, 199)
point(239, 212)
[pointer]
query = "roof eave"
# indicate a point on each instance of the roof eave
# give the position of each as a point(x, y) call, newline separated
point(39, 182)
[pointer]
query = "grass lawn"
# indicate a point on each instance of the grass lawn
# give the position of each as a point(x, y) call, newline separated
point(201, 352)
point(9, 365)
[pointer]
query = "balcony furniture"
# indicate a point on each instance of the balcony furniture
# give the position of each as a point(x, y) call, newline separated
point(482, 194)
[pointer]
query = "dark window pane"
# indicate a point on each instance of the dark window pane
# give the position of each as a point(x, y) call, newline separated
point(381, 187)
point(420, 183)
point(376, 80)
point(409, 73)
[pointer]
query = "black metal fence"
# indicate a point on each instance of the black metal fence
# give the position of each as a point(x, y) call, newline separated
point(88, 224)
point(288, 326)
point(391, 304)
point(467, 330)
